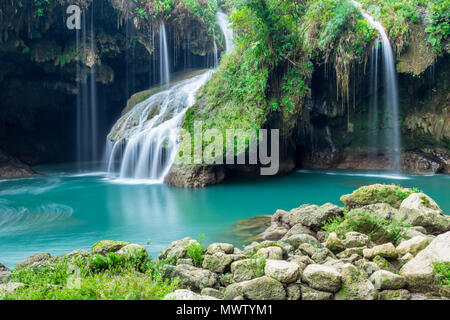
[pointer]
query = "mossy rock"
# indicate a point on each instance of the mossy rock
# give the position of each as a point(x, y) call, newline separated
point(376, 193)
point(133, 252)
point(104, 247)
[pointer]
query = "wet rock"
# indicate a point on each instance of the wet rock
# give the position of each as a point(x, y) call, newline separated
point(195, 176)
point(11, 167)
point(263, 288)
point(323, 278)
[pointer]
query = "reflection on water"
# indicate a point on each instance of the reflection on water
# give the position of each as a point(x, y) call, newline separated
point(65, 210)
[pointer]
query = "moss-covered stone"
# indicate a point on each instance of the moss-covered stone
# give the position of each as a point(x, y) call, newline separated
point(104, 247)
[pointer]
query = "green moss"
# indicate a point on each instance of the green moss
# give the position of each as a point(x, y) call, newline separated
point(442, 272)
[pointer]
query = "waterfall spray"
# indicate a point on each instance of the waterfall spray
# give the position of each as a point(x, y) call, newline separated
point(163, 56)
point(373, 105)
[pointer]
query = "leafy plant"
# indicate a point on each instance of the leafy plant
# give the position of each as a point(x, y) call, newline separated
point(195, 250)
point(442, 272)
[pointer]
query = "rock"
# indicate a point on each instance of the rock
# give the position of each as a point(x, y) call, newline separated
point(306, 249)
point(333, 243)
point(104, 247)
point(367, 266)
point(384, 264)
point(183, 294)
point(383, 211)
point(211, 292)
point(420, 210)
point(247, 269)
point(177, 249)
point(355, 286)
point(3, 268)
point(185, 261)
point(11, 167)
point(133, 252)
point(194, 176)
point(322, 255)
point(220, 247)
point(444, 291)
point(385, 280)
point(10, 287)
point(419, 271)
point(351, 251)
point(283, 271)
point(196, 278)
point(218, 262)
point(274, 253)
point(404, 259)
point(297, 239)
point(375, 193)
point(323, 278)
point(298, 229)
point(293, 291)
point(35, 259)
point(286, 246)
point(312, 294)
point(386, 250)
point(79, 253)
point(312, 216)
point(401, 294)
point(263, 288)
point(413, 245)
point(5, 274)
point(413, 232)
point(276, 231)
point(356, 239)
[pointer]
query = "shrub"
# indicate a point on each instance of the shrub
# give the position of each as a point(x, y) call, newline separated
point(442, 272)
point(195, 250)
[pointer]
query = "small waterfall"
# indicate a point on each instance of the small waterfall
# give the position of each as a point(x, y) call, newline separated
point(163, 56)
point(87, 106)
point(145, 138)
point(390, 91)
point(216, 54)
point(373, 104)
point(224, 24)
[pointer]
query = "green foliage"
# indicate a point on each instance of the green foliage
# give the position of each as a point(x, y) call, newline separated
point(442, 272)
point(438, 24)
point(378, 230)
point(195, 250)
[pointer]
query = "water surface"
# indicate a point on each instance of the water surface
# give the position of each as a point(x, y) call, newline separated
point(66, 210)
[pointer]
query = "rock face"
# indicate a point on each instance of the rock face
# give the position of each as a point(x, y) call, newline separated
point(323, 278)
point(418, 272)
point(420, 210)
point(263, 288)
point(11, 167)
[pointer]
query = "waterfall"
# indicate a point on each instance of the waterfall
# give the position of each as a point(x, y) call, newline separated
point(86, 101)
point(145, 139)
point(163, 56)
point(216, 54)
point(373, 104)
point(391, 102)
point(224, 24)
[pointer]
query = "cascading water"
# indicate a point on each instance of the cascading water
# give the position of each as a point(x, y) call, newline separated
point(373, 105)
point(216, 54)
point(224, 24)
point(163, 56)
point(145, 138)
point(87, 107)
point(390, 91)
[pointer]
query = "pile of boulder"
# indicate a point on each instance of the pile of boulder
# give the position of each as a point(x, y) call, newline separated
point(299, 260)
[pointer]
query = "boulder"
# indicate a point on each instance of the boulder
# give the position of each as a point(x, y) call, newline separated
point(351, 251)
point(375, 193)
point(401, 294)
point(133, 252)
point(293, 291)
point(312, 294)
point(5, 274)
point(297, 229)
point(246, 269)
point(79, 253)
point(194, 277)
point(274, 253)
point(220, 247)
point(34, 260)
point(383, 211)
point(312, 216)
point(386, 250)
point(385, 280)
point(420, 210)
point(413, 245)
point(218, 262)
point(297, 239)
point(183, 294)
point(276, 231)
point(355, 286)
point(283, 271)
point(323, 278)
point(177, 249)
point(263, 288)
point(333, 243)
point(367, 266)
point(211, 292)
point(104, 247)
point(418, 272)
point(356, 239)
